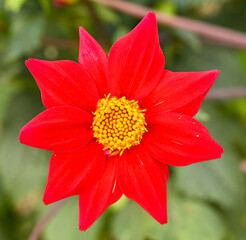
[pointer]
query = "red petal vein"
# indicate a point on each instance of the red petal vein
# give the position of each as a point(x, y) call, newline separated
point(64, 83)
point(180, 92)
point(179, 140)
point(58, 129)
point(143, 180)
point(136, 61)
point(70, 173)
point(94, 61)
point(94, 201)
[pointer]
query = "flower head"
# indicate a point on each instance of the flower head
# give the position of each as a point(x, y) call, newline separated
point(115, 122)
point(118, 123)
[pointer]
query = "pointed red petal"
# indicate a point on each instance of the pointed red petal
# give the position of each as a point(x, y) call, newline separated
point(180, 92)
point(94, 60)
point(94, 201)
point(70, 173)
point(64, 83)
point(136, 61)
point(143, 180)
point(58, 129)
point(179, 140)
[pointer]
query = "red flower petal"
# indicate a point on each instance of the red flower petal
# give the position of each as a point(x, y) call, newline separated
point(70, 173)
point(64, 83)
point(180, 92)
point(94, 60)
point(58, 129)
point(143, 180)
point(179, 140)
point(136, 61)
point(95, 200)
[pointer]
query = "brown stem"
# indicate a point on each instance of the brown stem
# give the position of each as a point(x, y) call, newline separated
point(243, 166)
point(37, 230)
point(226, 93)
point(71, 44)
point(221, 34)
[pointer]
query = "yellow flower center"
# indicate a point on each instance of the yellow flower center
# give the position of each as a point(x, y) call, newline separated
point(118, 123)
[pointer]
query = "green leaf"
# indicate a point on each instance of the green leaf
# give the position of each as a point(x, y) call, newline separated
point(106, 14)
point(191, 220)
point(46, 6)
point(166, 7)
point(7, 90)
point(220, 181)
point(187, 220)
point(67, 220)
point(14, 5)
point(188, 38)
point(237, 222)
point(202, 116)
point(208, 58)
point(216, 180)
point(242, 59)
point(128, 223)
point(26, 36)
point(195, 3)
point(24, 169)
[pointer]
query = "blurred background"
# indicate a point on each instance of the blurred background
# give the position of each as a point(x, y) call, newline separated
point(206, 201)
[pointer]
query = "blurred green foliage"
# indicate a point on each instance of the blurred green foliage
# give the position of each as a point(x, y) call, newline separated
point(206, 201)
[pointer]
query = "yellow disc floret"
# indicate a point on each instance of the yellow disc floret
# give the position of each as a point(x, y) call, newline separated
point(118, 123)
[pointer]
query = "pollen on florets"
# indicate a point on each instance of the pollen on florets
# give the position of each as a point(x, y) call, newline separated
point(118, 123)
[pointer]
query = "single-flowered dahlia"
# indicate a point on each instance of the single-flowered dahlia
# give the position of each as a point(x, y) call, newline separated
point(115, 122)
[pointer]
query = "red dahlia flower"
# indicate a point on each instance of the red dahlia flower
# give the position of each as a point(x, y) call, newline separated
point(115, 122)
